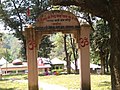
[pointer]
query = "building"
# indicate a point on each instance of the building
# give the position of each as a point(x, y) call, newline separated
point(3, 61)
point(17, 66)
point(58, 65)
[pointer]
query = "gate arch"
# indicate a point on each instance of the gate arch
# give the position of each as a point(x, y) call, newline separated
point(57, 21)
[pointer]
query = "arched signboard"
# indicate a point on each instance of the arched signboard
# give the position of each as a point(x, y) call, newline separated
point(57, 20)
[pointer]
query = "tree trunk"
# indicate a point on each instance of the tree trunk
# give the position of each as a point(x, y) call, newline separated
point(69, 63)
point(24, 50)
point(67, 55)
point(115, 53)
point(74, 54)
point(102, 63)
point(106, 62)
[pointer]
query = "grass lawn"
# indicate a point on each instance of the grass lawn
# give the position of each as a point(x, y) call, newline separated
point(72, 82)
point(9, 82)
point(98, 82)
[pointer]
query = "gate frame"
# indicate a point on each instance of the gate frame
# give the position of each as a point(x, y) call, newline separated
point(33, 39)
point(50, 22)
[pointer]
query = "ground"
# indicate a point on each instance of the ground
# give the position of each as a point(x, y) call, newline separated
point(66, 82)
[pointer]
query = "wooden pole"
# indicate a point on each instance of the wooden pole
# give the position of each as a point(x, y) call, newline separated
point(84, 43)
point(32, 59)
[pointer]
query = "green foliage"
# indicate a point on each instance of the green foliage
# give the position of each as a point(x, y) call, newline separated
point(10, 48)
point(100, 41)
point(58, 50)
point(14, 12)
point(45, 47)
point(14, 15)
point(2, 52)
point(94, 57)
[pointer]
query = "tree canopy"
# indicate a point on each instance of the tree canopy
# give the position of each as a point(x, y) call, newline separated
point(17, 14)
point(10, 47)
point(13, 13)
point(109, 11)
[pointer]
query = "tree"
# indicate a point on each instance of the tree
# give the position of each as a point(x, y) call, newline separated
point(17, 14)
point(58, 50)
point(100, 39)
point(12, 47)
point(109, 11)
point(65, 49)
point(67, 55)
point(12, 14)
point(75, 53)
point(45, 47)
point(61, 49)
point(1, 45)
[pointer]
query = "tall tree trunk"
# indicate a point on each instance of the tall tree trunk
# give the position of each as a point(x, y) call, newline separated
point(69, 62)
point(74, 53)
point(67, 55)
point(115, 53)
point(23, 50)
point(106, 62)
point(102, 63)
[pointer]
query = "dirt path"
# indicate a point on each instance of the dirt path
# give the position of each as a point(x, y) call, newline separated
point(46, 86)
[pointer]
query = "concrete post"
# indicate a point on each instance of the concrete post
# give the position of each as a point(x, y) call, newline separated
point(83, 44)
point(31, 59)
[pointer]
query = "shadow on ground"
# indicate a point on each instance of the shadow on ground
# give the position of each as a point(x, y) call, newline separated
point(7, 89)
point(105, 84)
point(4, 80)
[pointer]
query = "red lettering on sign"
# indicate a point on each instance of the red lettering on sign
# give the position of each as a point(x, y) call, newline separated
point(44, 18)
point(56, 23)
point(84, 42)
point(64, 16)
point(59, 16)
point(31, 44)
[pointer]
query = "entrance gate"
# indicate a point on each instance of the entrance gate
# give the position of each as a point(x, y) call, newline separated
point(50, 22)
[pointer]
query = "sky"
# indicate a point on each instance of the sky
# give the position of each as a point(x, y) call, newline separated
point(2, 28)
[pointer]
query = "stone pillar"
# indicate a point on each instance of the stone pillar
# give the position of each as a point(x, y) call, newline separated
point(31, 58)
point(83, 43)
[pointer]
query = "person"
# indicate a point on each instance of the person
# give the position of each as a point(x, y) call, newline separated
point(46, 72)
